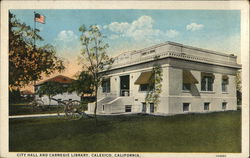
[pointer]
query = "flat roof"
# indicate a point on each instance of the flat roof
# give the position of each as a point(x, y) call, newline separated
point(180, 45)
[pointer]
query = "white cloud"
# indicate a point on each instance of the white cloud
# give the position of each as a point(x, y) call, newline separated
point(139, 29)
point(105, 27)
point(194, 26)
point(172, 33)
point(118, 27)
point(67, 36)
point(142, 22)
point(67, 43)
point(113, 36)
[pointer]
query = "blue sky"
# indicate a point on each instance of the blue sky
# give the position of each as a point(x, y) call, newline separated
point(126, 30)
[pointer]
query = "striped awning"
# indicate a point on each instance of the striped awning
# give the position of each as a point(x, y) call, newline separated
point(144, 78)
point(188, 77)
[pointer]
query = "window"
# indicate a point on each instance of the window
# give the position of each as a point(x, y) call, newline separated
point(186, 86)
point(206, 106)
point(224, 105)
point(207, 82)
point(128, 108)
point(103, 107)
point(144, 108)
point(70, 99)
point(144, 87)
point(106, 85)
point(185, 107)
point(224, 83)
point(152, 107)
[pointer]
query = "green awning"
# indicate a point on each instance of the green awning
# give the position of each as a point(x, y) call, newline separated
point(225, 77)
point(144, 78)
point(188, 78)
point(207, 74)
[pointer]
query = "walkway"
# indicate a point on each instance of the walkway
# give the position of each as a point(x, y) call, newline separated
point(62, 114)
point(36, 115)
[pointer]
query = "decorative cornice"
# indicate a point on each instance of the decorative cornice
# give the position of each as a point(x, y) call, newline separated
point(178, 55)
point(201, 49)
point(179, 45)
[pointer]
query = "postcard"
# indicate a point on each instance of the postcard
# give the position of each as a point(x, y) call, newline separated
point(124, 79)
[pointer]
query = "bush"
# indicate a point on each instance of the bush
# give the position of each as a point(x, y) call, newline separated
point(15, 96)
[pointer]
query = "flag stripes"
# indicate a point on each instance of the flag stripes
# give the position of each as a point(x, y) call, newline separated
point(39, 18)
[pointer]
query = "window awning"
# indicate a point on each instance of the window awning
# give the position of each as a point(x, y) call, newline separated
point(144, 78)
point(188, 78)
point(207, 74)
point(225, 77)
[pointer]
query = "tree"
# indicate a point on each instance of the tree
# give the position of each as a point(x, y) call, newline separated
point(51, 89)
point(155, 85)
point(94, 56)
point(83, 84)
point(238, 88)
point(26, 62)
point(15, 96)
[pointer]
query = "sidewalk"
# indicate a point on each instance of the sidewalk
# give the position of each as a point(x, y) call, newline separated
point(37, 115)
point(62, 114)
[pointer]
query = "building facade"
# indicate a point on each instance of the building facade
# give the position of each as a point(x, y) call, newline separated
point(193, 80)
point(64, 81)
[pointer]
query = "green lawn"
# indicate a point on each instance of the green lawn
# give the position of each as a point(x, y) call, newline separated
point(214, 132)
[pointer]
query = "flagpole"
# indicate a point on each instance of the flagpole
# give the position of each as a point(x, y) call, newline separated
point(34, 30)
point(34, 46)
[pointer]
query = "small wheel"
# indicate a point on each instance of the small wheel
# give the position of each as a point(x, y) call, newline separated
point(73, 110)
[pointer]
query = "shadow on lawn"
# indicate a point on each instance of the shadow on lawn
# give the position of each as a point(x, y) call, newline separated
point(213, 132)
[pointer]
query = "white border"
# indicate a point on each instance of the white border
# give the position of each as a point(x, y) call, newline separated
point(210, 5)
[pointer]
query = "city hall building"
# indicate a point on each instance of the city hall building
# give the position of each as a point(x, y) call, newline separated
point(193, 80)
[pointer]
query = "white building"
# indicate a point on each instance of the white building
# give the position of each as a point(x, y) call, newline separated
point(65, 81)
point(194, 80)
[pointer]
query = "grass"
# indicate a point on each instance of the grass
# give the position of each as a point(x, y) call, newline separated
point(26, 109)
point(213, 132)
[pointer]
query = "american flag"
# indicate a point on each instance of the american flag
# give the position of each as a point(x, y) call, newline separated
point(39, 18)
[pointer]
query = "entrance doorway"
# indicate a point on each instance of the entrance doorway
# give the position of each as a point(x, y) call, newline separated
point(124, 85)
